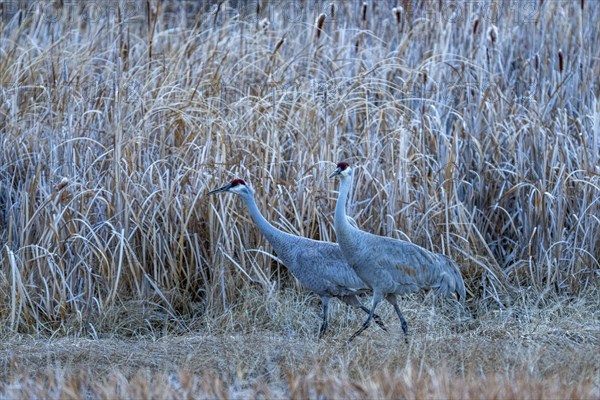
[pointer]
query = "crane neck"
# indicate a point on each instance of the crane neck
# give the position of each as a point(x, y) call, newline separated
point(340, 220)
point(272, 234)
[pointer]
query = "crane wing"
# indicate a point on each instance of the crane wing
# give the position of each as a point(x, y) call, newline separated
point(407, 263)
point(323, 269)
point(412, 267)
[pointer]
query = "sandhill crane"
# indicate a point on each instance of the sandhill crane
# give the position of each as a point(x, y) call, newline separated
point(390, 266)
point(319, 266)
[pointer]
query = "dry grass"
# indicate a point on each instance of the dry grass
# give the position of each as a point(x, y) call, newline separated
point(477, 134)
point(550, 352)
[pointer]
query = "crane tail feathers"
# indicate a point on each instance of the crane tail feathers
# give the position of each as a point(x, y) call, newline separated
point(450, 280)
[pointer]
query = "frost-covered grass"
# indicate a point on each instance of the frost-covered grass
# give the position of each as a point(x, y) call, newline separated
point(476, 134)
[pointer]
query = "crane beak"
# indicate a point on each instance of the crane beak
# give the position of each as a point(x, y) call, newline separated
point(337, 171)
point(221, 189)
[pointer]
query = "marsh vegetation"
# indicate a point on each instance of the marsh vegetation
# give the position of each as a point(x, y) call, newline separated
point(475, 127)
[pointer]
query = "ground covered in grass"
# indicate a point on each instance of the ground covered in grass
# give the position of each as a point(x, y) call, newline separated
point(475, 131)
point(525, 351)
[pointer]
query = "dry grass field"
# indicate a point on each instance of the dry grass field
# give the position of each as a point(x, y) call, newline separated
point(475, 129)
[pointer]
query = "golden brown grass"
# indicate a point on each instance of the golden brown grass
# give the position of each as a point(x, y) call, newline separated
point(476, 135)
point(521, 352)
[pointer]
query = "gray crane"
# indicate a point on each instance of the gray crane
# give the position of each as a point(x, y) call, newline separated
point(318, 265)
point(390, 266)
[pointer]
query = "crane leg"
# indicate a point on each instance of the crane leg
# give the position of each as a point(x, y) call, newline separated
point(325, 301)
point(376, 299)
point(353, 301)
point(391, 298)
point(376, 318)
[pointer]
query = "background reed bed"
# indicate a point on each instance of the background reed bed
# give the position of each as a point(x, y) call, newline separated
point(475, 126)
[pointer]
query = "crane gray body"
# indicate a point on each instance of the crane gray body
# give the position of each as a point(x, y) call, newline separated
point(319, 266)
point(390, 266)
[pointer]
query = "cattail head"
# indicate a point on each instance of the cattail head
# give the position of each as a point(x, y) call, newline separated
point(279, 44)
point(332, 10)
point(536, 62)
point(364, 11)
point(407, 8)
point(320, 22)
point(582, 4)
point(561, 61)
point(493, 34)
point(397, 11)
point(475, 26)
point(264, 24)
point(62, 184)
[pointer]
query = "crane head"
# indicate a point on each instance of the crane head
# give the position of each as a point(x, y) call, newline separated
point(343, 169)
point(235, 186)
